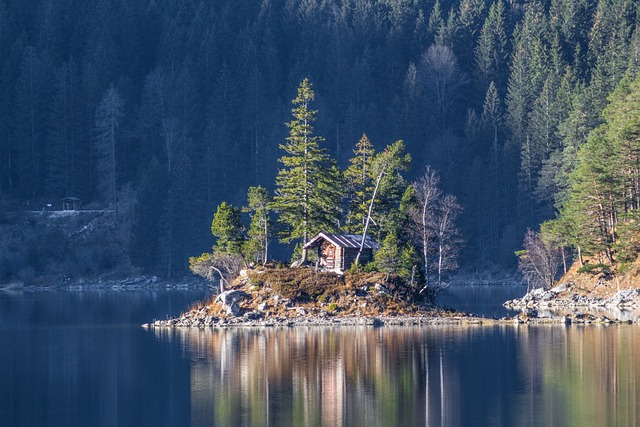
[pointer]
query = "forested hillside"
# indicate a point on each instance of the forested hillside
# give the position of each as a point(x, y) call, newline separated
point(183, 103)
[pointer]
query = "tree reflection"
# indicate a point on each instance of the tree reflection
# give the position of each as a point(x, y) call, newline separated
point(448, 375)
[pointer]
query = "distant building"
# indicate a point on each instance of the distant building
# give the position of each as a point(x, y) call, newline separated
point(70, 204)
point(337, 252)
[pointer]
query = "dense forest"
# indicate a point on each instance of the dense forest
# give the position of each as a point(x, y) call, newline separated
point(177, 105)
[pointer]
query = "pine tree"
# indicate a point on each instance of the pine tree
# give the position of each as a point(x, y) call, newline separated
point(308, 193)
point(491, 51)
point(256, 247)
point(386, 258)
point(359, 184)
point(29, 118)
point(63, 162)
point(227, 228)
point(146, 226)
point(108, 118)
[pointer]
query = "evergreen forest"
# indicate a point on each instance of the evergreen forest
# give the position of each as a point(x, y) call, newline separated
point(179, 105)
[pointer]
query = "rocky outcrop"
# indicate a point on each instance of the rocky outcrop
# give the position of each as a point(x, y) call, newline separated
point(200, 319)
point(563, 297)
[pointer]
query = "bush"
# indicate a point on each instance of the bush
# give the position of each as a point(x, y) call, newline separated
point(594, 269)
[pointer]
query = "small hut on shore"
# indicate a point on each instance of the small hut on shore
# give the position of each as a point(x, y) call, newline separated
point(70, 204)
point(337, 252)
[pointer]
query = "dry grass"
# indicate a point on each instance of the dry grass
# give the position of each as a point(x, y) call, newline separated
point(288, 291)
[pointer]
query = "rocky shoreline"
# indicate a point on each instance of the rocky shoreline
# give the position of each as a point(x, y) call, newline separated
point(201, 321)
point(564, 297)
point(571, 305)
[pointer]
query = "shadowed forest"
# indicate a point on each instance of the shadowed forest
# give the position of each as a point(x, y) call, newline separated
point(172, 106)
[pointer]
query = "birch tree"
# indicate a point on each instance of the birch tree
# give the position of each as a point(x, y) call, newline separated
point(386, 167)
point(427, 193)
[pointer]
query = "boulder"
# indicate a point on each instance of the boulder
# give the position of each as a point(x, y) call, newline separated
point(560, 288)
point(229, 297)
point(253, 315)
point(232, 309)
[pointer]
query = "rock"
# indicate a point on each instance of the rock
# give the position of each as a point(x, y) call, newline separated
point(229, 297)
point(253, 315)
point(377, 323)
point(536, 293)
point(232, 309)
point(301, 311)
point(560, 288)
point(263, 306)
point(381, 289)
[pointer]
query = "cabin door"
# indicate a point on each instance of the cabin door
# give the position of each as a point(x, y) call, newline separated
point(331, 257)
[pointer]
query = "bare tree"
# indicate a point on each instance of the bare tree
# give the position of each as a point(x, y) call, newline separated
point(427, 193)
point(539, 261)
point(442, 79)
point(174, 139)
point(447, 236)
point(224, 265)
point(434, 217)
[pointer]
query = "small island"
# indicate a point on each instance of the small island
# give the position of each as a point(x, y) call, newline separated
point(282, 296)
point(367, 244)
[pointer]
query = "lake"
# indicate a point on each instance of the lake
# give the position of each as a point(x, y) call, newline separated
point(82, 359)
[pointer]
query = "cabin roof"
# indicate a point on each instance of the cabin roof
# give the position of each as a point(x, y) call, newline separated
point(343, 241)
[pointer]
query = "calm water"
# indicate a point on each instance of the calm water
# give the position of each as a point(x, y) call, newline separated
point(81, 359)
point(481, 299)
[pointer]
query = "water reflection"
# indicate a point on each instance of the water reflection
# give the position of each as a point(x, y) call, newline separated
point(506, 375)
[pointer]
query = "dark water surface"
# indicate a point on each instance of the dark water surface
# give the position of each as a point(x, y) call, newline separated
point(482, 300)
point(81, 359)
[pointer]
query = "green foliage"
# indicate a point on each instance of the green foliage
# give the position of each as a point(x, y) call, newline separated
point(553, 65)
point(387, 257)
point(309, 190)
point(226, 226)
point(359, 180)
point(408, 262)
point(594, 269)
point(599, 213)
point(256, 245)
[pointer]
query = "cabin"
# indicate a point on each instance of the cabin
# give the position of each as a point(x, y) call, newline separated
point(70, 204)
point(337, 252)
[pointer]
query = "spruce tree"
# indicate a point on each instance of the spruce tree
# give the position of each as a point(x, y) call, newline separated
point(108, 119)
point(308, 193)
point(256, 247)
point(360, 184)
point(226, 226)
point(491, 50)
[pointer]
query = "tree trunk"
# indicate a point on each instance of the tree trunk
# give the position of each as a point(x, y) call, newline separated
point(366, 224)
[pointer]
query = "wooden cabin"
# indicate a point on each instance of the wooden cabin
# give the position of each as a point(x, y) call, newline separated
point(337, 252)
point(70, 204)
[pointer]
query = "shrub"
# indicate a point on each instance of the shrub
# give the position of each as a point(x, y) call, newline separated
point(594, 269)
